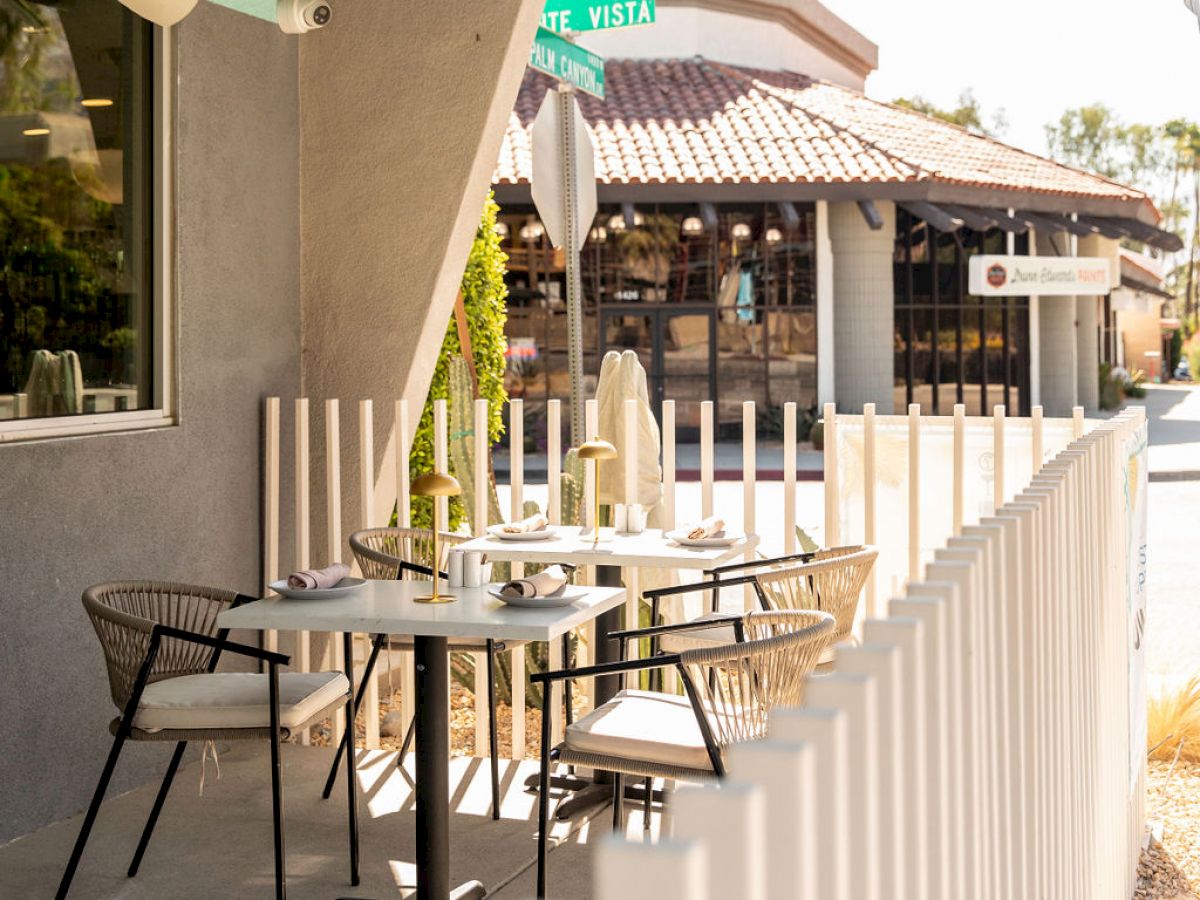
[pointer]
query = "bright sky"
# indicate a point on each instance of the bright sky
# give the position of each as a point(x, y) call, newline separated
point(1036, 58)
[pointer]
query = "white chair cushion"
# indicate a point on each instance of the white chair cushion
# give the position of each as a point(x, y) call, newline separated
point(236, 700)
point(698, 638)
point(642, 725)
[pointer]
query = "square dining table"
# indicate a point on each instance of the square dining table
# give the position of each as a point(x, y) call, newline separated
point(574, 545)
point(391, 607)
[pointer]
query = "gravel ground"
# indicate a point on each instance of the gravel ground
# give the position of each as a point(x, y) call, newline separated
point(462, 724)
point(1169, 870)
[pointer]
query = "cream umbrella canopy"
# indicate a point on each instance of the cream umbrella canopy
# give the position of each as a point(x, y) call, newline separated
point(623, 378)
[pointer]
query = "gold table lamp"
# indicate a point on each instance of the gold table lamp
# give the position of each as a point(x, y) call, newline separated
point(435, 485)
point(597, 449)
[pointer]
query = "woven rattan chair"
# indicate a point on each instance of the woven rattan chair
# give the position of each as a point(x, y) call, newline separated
point(829, 580)
point(404, 553)
point(730, 692)
point(162, 646)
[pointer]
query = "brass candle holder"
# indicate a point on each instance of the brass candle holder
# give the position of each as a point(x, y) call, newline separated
point(436, 485)
point(597, 450)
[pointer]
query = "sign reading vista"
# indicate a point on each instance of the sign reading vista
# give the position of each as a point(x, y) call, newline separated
point(1037, 276)
point(595, 15)
point(565, 61)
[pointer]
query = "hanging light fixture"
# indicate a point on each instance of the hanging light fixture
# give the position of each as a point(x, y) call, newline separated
point(693, 226)
point(161, 12)
point(598, 235)
point(774, 236)
point(616, 224)
point(532, 231)
point(740, 232)
point(501, 228)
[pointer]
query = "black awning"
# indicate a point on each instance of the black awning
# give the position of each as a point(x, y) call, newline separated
point(1134, 285)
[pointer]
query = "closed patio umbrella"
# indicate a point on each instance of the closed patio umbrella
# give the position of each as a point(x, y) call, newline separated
point(622, 378)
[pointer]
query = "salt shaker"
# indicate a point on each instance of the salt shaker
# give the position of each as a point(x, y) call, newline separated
point(473, 569)
point(636, 518)
point(621, 518)
point(454, 569)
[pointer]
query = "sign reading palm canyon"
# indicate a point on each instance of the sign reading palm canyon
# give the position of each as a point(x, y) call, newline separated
point(1038, 276)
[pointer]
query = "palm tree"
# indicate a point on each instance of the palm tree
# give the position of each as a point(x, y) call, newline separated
point(1186, 136)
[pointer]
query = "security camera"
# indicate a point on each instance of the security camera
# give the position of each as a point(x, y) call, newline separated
point(299, 16)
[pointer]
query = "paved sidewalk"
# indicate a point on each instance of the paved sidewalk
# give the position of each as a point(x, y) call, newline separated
point(1174, 413)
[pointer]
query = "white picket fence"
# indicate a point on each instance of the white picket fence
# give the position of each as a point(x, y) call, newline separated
point(985, 740)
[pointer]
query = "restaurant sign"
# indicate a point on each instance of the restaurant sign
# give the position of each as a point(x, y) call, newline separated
point(567, 62)
point(596, 15)
point(1038, 276)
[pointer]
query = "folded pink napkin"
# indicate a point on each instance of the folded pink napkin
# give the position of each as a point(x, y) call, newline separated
point(543, 584)
point(707, 528)
point(318, 579)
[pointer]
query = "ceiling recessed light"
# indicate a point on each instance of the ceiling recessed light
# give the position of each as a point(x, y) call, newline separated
point(96, 102)
point(35, 132)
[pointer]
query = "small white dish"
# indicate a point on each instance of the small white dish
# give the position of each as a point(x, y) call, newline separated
point(341, 589)
point(497, 531)
point(720, 539)
point(564, 596)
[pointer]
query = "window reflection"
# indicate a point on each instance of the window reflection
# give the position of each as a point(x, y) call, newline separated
point(74, 209)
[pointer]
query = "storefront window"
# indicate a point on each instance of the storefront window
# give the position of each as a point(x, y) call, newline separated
point(75, 224)
point(718, 301)
point(952, 347)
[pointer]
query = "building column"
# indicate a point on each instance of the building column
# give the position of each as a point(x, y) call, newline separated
point(863, 307)
point(1058, 348)
point(826, 366)
point(1087, 353)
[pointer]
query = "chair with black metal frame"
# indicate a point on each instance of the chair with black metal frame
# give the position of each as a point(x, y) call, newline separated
point(161, 647)
point(657, 735)
point(830, 580)
point(400, 553)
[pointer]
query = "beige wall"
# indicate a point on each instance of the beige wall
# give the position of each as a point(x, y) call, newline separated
point(403, 107)
point(1140, 332)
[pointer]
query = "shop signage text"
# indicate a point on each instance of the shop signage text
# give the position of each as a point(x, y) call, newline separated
point(558, 57)
point(1037, 276)
point(596, 15)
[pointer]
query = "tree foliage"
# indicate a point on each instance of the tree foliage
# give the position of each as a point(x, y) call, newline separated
point(968, 114)
point(484, 294)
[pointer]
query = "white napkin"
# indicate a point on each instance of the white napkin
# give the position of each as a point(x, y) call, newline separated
point(706, 528)
point(543, 584)
point(318, 579)
point(536, 522)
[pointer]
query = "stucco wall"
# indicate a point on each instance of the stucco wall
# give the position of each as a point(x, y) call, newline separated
point(402, 116)
point(178, 503)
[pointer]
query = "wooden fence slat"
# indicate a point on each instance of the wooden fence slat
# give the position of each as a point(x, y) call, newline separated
point(366, 506)
point(789, 478)
point(333, 535)
point(706, 458)
point(554, 462)
point(481, 491)
point(869, 501)
point(749, 487)
point(832, 517)
point(1038, 452)
point(303, 525)
point(914, 491)
point(271, 512)
point(998, 456)
point(516, 452)
point(668, 445)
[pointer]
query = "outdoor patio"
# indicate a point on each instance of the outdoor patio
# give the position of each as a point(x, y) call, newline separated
point(219, 844)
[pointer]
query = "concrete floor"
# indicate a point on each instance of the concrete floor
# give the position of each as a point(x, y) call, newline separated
point(219, 844)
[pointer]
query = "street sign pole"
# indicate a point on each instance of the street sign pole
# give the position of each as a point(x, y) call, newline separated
point(573, 242)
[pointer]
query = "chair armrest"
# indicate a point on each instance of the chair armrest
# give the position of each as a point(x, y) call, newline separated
point(268, 656)
point(698, 586)
point(652, 630)
point(612, 668)
point(759, 563)
point(417, 569)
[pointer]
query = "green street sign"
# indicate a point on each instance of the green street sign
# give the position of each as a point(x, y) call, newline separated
point(596, 15)
point(565, 61)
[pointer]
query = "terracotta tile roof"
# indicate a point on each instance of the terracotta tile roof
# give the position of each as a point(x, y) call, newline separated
point(696, 121)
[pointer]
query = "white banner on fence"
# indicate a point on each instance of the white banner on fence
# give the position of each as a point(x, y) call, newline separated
point(1136, 485)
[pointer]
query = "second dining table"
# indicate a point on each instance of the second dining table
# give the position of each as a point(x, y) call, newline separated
point(573, 545)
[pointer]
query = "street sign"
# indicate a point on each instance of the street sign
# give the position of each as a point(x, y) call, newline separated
point(596, 15)
point(552, 169)
point(1038, 276)
point(567, 62)
point(563, 185)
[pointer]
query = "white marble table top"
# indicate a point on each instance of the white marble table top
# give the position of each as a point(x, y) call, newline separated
point(389, 607)
point(571, 544)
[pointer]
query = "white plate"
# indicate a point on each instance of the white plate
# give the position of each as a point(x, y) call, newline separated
point(497, 531)
point(341, 589)
point(564, 596)
point(720, 539)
